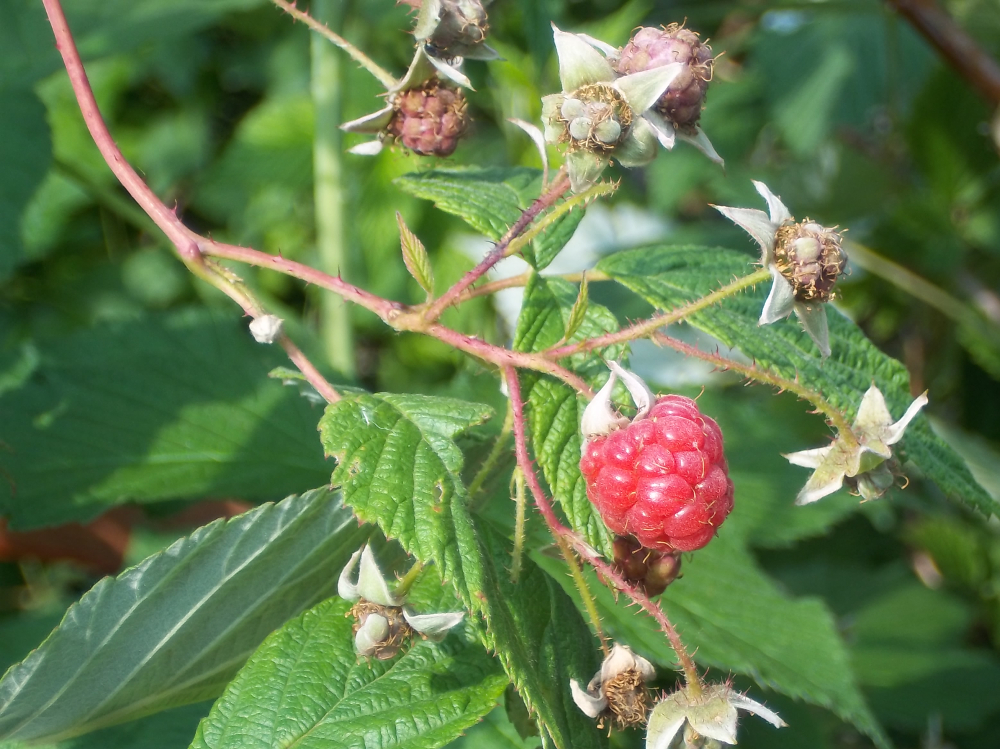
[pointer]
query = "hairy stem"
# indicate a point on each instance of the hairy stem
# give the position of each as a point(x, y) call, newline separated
point(835, 416)
point(185, 241)
point(522, 279)
point(517, 484)
point(584, 590)
point(556, 190)
point(646, 328)
point(690, 670)
point(385, 77)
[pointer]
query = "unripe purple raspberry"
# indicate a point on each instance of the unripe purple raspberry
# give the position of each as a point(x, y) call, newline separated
point(429, 119)
point(653, 48)
point(810, 257)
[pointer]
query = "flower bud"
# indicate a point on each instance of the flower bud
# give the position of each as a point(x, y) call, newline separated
point(652, 48)
point(595, 117)
point(460, 27)
point(810, 257)
point(379, 631)
point(429, 119)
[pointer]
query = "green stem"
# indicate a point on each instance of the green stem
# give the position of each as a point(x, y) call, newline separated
point(328, 192)
point(517, 481)
point(407, 580)
point(490, 464)
point(753, 372)
point(584, 590)
point(650, 326)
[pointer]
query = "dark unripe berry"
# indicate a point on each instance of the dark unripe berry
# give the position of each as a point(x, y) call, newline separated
point(810, 257)
point(662, 478)
point(429, 119)
point(650, 569)
point(653, 48)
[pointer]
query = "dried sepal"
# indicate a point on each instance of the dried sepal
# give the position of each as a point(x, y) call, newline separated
point(618, 690)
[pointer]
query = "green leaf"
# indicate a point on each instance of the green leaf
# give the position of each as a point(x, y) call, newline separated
point(101, 27)
point(495, 732)
point(399, 467)
point(491, 200)
point(174, 629)
point(542, 641)
point(669, 276)
point(554, 410)
point(733, 618)
point(306, 687)
point(173, 407)
point(415, 256)
point(25, 152)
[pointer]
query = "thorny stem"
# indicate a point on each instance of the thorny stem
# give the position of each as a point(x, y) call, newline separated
point(835, 416)
point(185, 241)
point(385, 77)
point(558, 188)
point(691, 675)
point(192, 248)
point(397, 315)
point(522, 279)
point(584, 590)
point(648, 327)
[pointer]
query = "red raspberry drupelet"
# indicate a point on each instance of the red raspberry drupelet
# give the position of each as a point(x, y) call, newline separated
point(662, 478)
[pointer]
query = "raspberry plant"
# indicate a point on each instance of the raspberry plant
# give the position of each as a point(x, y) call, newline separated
point(474, 546)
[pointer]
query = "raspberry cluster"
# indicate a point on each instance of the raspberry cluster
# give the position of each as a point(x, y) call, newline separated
point(662, 478)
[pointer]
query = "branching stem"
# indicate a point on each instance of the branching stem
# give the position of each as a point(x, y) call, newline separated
point(753, 372)
point(185, 241)
point(558, 188)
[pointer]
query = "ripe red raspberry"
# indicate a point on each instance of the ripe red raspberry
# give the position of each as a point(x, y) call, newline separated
point(662, 478)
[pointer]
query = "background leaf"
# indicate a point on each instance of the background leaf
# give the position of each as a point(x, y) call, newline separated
point(25, 152)
point(306, 687)
point(174, 407)
point(399, 467)
point(669, 276)
point(174, 629)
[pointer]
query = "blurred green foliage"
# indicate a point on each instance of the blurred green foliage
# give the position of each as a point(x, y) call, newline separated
point(839, 106)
